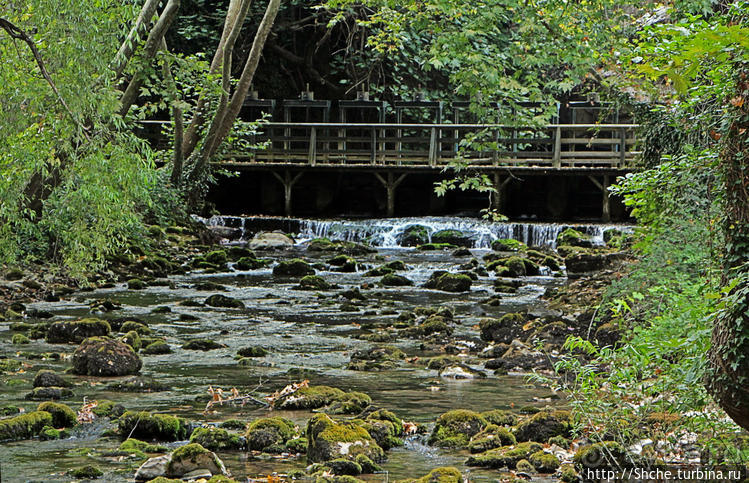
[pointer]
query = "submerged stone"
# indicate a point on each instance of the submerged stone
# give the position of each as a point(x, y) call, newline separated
point(202, 345)
point(46, 393)
point(48, 378)
point(139, 384)
point(393, 280)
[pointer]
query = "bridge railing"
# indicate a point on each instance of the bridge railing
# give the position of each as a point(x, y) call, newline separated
point(435, 145)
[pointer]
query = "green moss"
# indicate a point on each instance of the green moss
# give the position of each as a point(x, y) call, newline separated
point(132, 444)
point(572, 237)
point(351, 403)
point(62, 415)
point(215, 439)
point(235, 424)
point(270, 434)
point(436, 246)
point(525, 466)
point(297, 445)
point(544, 425)
point(217, 257)
point(164, 479)
point(202, 345)
point(296, 267)
point(324, 435)
point(24, 426)
point(544, 462)
point(49, 433)
point(312, 397)
point(394, 280)
point(77, 330)
point(454, 429)
point(250, 263)
point(508, 245)
point(87, 472)
point(504, 457)
point(133, 340)
point(445, 474)
point(136, 284)
point(252, 351)
point(10, 365)
point(20, 339)
point(131, 325)
point(313, 282)
point(569, 475)
point(144, 425)
point(342, 466)
point(500, 418)
point(188, 452)
point(440, 362)
point(157, 347)
point(491, 437)
point(606, 454)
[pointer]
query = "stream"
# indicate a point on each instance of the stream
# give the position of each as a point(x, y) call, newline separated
point(308, 337)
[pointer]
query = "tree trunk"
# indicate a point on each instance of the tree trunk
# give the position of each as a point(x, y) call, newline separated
point(728, 378)
point(134, 37)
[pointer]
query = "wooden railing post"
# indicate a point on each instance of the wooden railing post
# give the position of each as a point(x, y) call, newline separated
point(557, 159)
point(312, 153)
point(374, 146)
point(622, 147)
point(433, 147)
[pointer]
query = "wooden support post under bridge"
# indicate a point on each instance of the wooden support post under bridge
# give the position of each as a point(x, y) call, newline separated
point(498, 197)
point(390, 184)
point(606, 202)
point(288, 182)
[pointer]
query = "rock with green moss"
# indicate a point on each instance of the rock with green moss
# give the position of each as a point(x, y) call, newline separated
point(568, 474)
point(385, 427)
point(508, 245)
point(9, 365)
point(344, 247)
point(312, 397)
point(136, 284)
point(132, 339)
point(606, 454)
point(491, 437)
point(216, 257)
point(504, 329)
point(525, 466)
point(449, 282)
point(375, 358)
point(343, 466)
point(77, 330)
point(313, 282)
point(505, 457)
point(329, 440)
point(24, 426)
point(88, 472)
point(544, 462)
point(108, 409)
point(48, 378)
point(395, 280)
point(296, 267)
point(101, 356)
point(500, 417)
point(234, 424)
point(215, 439)
point(440, 362)
point(297, 445)
point(452, 237)
point(572, 237)
point(270, 435)
point(140, 449)
point(444, 474)
point(413, 236)
point(544, 425)
point(49, 393)
point(62, 415)
point(147, 426)
point(250, 263)
point(14, 274)
point(454, 429)
point(219, 300)
point(349, 403)
point(252, 351)
point(48, 433)
point(157, 347)
point(192, 457)
point(202, 345)
point(134, 326)
point(139, 384)
point(20, 339)
point(429, 247)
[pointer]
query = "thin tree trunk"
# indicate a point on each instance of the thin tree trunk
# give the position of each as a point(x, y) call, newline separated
point(149, 51)
point(134, 37)
point(177, 160)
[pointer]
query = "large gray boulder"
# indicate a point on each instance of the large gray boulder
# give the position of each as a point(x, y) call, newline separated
point(270, 241)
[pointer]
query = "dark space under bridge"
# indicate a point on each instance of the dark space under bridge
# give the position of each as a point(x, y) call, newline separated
point(420, 141)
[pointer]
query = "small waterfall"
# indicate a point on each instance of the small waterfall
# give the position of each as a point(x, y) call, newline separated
point(387, 232)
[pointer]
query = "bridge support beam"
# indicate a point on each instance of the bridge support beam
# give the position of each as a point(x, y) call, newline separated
point(288, 181)
point(603, 185)
point(498, 197)
point(391, 184)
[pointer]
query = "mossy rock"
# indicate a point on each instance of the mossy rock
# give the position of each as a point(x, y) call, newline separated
point(202, 345)
point(295, 267)
point(139, 384)
point(413, 236)
point(215, 439)
point(62, 415)
point(77, 330)
point(270, 435)
point(329, 439)
point(157, 347)
point(250, 263)
point(219, 300)
point(429, 247)
point(505, 457)
point(343, 466)
point(297, 445)
point(312, 397)
point(375, 358)
point(454, 429)
point(20, 339)
point(314, 282)
point(24, 426)
point(544, 425)
point(234, 424)
point(500, 417)
point(440, 362)
point(100, 356)
point(108, 409)
point(133, 340)
point(147, 426)
point(208, 286)
point(192, 457)
point(10, 365)
point(452, 237)
point(544, 462)
point(252, 351)
point(48, 433)
point(216, 257)
point(508, 245)
point(48, 378)
point(140, 449)
point(394, 280)
point(136, 284)
point(88, 472)
point(449, 282)
point(572, 237)
point(14, 274)
point(503, 329)
point(444, 474)
point(47, 393)
point(139, 327)
point(606, 454)
point(349, 403)
point(491, 437)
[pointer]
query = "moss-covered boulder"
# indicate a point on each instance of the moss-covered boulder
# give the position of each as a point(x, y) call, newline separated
point(575, 238)
point(444, 474)
point(49, 393)
point(296, 267)
point(431, 247)
point(503, 329)
point(136, 284)
point(151, 426)
point(500, 417)
point(385, 427)
point(505, 457)
point(544, 462)
point(395, 280)
point(48, 378)
point(157, 347)
point(202, 345)
point(250, 263)
point(270, 435)
point(192, 457)
point(453, 237)
point(252, 351)
point(139, 384)
point(349, 403)
point(132, 339)
point(88, 472)
point(606, 454)
point(375, 358)
point(544, 425)
point(62, 415)
point(24, 426)
point(77, 330)
point(329, 440)
point(20, 339)
point(413, 236)
point(313, 282)
point(454, 429)
point(139, 449)
point(219, 300)
point(215, 439)
point(134, 326)
point(491, 437)
point(449, 282)
point(312, 397)
point(101, 356)
point(508, 245)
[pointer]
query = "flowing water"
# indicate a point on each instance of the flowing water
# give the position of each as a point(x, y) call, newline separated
point(308, 337)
